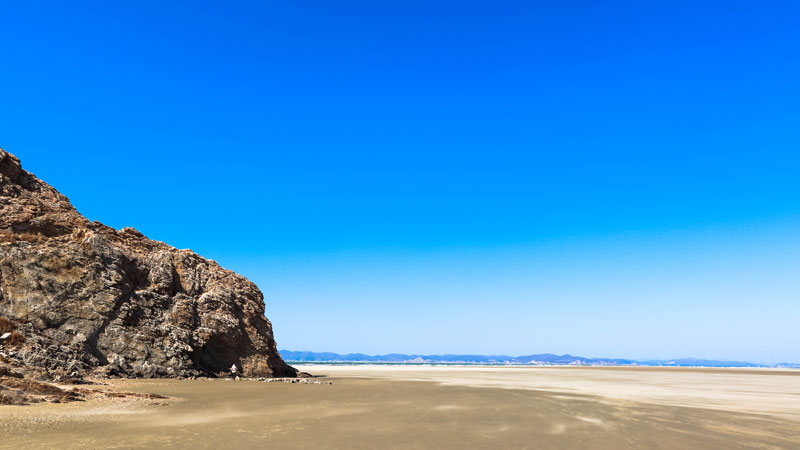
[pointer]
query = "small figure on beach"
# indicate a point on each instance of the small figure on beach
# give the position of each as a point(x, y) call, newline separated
point(233, 370)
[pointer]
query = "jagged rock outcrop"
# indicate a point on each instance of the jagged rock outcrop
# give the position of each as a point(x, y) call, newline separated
point(89, 299)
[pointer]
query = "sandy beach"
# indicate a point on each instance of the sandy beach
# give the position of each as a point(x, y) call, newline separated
point(412, 407)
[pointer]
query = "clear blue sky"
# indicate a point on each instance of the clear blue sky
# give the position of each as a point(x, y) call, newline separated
point(600, 178)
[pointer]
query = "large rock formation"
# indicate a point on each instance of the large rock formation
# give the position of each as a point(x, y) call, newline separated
point(90, 299)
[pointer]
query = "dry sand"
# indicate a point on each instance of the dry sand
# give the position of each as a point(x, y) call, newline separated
point(433, 408)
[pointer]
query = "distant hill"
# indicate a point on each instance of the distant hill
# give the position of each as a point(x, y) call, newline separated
point(540, 359)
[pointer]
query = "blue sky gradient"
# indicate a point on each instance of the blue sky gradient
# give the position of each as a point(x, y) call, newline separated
point(616, 179)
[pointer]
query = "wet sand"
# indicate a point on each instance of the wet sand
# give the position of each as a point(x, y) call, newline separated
point(433, 408)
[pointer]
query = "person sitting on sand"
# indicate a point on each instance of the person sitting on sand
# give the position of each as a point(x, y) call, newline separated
point(233, 370)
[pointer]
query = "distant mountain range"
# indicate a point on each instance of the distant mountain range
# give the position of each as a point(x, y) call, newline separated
point(540, 359)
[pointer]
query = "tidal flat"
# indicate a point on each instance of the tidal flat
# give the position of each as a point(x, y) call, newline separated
point(420, 407)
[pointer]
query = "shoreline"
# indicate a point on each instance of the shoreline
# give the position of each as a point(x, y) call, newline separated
point(526, 366)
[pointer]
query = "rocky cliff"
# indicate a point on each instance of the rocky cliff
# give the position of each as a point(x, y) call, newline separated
point(78, 297)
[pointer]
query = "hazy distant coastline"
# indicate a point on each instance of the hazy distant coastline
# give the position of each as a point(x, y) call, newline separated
point(543, 359)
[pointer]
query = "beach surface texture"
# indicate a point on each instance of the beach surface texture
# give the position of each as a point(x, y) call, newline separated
point(424, 407)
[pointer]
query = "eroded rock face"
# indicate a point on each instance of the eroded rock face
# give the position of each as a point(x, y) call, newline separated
point(94, 300)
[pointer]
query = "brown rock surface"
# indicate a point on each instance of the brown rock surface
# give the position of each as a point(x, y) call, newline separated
point(91, 300)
